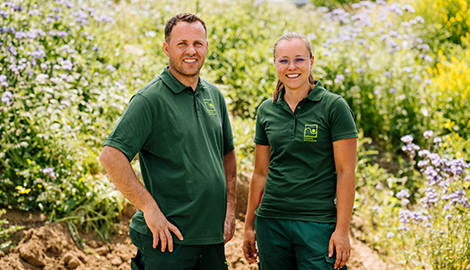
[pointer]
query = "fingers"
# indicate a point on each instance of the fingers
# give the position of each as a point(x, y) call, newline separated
point(229, 228)
point(165, 238)
point(228, 233)
point(249, 249)
point(341, 259)
point(156, 239)
point(331, 248)
point(175, 230)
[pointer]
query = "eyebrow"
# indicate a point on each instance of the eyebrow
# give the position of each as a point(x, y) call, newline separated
point(186, 40)
point(299, 55)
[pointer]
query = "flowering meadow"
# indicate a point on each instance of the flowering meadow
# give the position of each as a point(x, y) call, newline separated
point(68, 69)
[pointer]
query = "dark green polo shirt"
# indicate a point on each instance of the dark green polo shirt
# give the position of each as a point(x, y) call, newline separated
point(301, 182)
point(181, 136)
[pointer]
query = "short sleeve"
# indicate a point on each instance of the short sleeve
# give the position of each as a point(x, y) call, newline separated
point(342, 121)
point(227, 129)
point(260, 132)
point(133, 128)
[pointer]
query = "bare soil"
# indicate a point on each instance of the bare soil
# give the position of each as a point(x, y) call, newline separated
point(46, 245)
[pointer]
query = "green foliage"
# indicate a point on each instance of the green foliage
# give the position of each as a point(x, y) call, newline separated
point(55, 113)
point(6, 230)
point(451, 92)
point(425, 228)
point(244, 133)
point(62, 94)
point(447, 18)
point(333, 4)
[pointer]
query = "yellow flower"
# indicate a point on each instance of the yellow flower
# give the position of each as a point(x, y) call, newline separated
point(449, 124)
point(445, 145)
point(458, 155)
point(39, 186)
point(448, 138)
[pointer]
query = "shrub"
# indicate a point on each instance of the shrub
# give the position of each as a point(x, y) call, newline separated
point(450, 92)
point(428, 227)
point(54, 110)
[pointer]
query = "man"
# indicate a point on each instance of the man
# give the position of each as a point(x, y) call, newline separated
point(179, 126)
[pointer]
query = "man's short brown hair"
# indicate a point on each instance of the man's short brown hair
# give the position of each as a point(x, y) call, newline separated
point(182, 17)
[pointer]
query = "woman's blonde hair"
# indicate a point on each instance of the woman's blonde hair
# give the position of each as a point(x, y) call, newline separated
point(291, 36)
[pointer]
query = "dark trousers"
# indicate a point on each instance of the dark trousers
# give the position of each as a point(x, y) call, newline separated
point(183, 257)
point(292, 244)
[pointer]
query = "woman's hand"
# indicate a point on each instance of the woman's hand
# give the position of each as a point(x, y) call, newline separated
point(339, 243)
point(249, 245)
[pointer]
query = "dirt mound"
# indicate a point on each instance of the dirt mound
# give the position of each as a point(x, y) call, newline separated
point(51, 246)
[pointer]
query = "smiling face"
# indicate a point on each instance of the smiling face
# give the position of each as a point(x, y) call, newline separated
point(186, 50)
point(293, 76)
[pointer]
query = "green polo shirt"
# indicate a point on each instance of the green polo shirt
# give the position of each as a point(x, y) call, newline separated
point(301, 182)
point(181, 137)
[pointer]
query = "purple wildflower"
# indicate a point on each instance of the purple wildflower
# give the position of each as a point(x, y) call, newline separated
point(110, 68)
point(6, 98)
point(3, 80)
point(403, 194)
point(62, 33)
point(339, 78)
point(49, 171)
point(408, 8)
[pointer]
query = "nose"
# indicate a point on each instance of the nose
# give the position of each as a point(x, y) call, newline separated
point(191, 50)
point(291, 64)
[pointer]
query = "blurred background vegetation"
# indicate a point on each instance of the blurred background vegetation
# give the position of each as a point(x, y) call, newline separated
point(68, 69)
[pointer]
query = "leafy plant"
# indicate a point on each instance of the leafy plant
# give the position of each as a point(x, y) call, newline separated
point(6, 230)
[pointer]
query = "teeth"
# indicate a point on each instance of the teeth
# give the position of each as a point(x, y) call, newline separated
point(190, 60)
point(293, 75)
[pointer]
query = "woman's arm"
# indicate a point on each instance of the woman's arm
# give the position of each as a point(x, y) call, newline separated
point(262, 154)
point(345, 162)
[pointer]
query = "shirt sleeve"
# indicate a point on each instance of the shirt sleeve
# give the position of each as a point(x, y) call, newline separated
point(260, 133)
point(342, 121)
point(133, 128)
point(227, 129)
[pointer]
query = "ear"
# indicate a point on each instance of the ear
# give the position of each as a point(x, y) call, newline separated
point(166, 48)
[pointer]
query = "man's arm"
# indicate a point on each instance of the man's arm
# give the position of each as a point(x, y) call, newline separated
point(123, 177)
point(230, 168)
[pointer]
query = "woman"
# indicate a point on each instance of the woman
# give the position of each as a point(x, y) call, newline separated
point(303, 185)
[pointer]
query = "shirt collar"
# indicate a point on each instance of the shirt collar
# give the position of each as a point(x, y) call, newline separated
point(317, 92)
point(315, 95)
point(173, 83)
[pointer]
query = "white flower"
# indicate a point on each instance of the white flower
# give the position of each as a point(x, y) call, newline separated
point(41, 78)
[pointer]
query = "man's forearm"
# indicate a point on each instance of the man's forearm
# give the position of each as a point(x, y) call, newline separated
point(123, 177)
point(230, 168)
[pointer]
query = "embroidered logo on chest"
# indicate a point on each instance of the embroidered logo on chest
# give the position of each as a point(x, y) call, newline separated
point(310, 133)
point(209, 106)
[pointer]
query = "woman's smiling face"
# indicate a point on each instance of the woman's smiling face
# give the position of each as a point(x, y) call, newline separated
point(295, 74)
